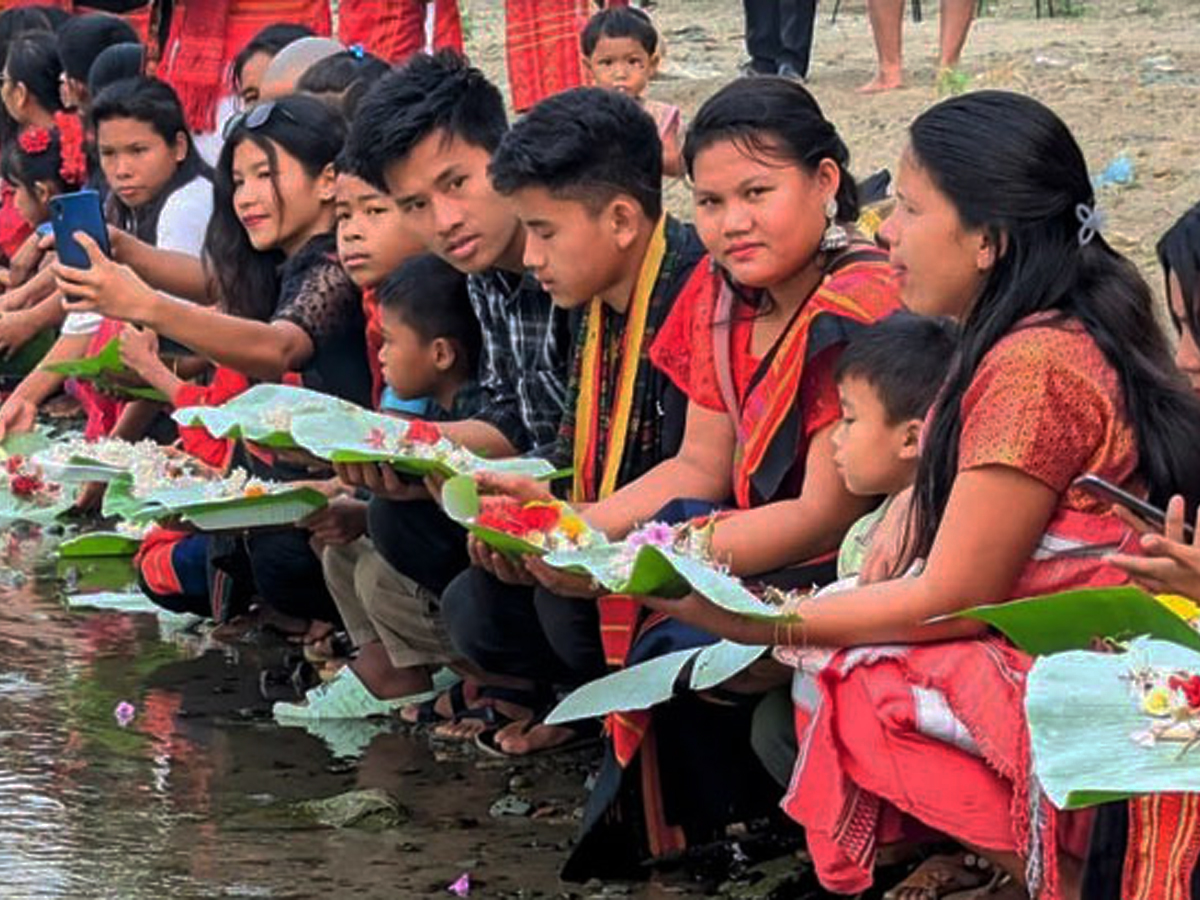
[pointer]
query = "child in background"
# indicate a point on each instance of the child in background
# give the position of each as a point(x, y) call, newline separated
point(431, 345)
point(887, 378)
point(371, 243)
point(621, 50)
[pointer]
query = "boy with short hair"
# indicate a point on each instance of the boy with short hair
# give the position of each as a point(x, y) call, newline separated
point(426, 133)
point(621, 49)
point(887, 377)
point(583, 172)
point(430, 349)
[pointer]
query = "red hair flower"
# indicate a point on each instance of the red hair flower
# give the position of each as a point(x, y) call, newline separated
point(34, 140)
point(74, 168)
point(420, 432)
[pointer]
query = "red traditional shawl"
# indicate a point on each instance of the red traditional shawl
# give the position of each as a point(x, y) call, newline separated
point(1163, 847)
point(373, 315)
point(542, 45)
point(396, 29)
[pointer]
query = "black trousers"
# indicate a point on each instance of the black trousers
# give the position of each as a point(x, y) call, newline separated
point(523, 632)
point(780, 31)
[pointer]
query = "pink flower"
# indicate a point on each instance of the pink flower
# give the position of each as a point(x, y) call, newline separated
point(656, 534)
point(124, 713)
point(462, 887)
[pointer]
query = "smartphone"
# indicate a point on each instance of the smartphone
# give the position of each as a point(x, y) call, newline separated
point(1110, 493)
point(71, 213)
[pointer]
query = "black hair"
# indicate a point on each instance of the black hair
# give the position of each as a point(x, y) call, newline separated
point(33, 61)
point(619, 22)
point(427, 94)
point(147, 100)
point(24, 19)
point(430, 296)
point(905, 359)
point(1012, 169)
point(83, 38)
point(24, 169)
point(584, 144)
point(245, 279)
point(773, 118)
point(270, 41)
point(114, 63)
point(1179, 255)
point(346, 76)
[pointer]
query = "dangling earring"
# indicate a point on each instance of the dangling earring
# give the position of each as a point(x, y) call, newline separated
point(835, 237)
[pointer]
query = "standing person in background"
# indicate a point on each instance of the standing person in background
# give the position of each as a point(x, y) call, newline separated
point(542, 48)
point(887, 25)
point(396, 29)
point(779, 37)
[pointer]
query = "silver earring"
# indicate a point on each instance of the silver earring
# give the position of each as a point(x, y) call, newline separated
point(835, 237)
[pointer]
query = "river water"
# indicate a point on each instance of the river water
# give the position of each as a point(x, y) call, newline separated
point(192, 798)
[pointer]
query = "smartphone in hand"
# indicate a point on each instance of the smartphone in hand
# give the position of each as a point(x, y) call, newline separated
point(1110, 493)
point(71, 213)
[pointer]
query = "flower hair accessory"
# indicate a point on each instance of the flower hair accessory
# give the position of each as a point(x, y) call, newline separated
point(1091, 222)
point(74, 168)
point(34, 140)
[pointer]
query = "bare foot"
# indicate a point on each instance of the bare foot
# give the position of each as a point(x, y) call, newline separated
point(939, 876)
point(477, 720)
point(519, 739)
point(882, 83)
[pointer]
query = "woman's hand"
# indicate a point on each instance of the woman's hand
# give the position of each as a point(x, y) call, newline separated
point(1172, 562)
point(498, 564)
point(16, 330)
point(107, 287)
point(17, 415)
point(563, 584)
point(699, 612)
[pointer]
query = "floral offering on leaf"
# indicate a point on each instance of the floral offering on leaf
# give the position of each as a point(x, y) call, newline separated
point(24, 480)
point(1172, 699)
point(149, 463)
point(548, 526)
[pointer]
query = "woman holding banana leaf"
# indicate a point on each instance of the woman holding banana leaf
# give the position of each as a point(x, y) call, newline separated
point(1062, 370)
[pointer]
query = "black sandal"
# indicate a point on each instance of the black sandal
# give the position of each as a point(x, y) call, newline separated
point(584, 733)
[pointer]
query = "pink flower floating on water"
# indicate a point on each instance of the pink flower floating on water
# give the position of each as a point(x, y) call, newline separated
point(124, 713)
point(462, 887)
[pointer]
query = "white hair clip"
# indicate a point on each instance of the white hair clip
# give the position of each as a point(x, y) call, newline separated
point(1091, 222)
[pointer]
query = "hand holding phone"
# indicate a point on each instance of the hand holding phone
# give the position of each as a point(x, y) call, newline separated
point(71, 213)
point(1147, 512)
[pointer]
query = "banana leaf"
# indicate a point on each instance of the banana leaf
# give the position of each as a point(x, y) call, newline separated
point(98, 544)
point(106, 369)
point(355, 437)
point(460, 500)
point(264, 414)
point(25, 360)
point(79, 470)
point(114, 601)
point(1072, 620)
point(17, 509)
point(96, 573)
point(26, 443)
point(655, 681)
point(282, 505)
point(1082, 717)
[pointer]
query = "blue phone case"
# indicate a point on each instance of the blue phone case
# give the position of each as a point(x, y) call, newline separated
point(71, 213)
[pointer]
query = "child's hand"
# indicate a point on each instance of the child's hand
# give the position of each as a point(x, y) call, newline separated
point(139, 349)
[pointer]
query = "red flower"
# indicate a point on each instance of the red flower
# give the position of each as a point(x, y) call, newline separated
point(1189, 686)
point(70, 143)
point(501, 514)
point(25, 485)
point(376, 438)
point(419, 432)
point(13, 464)
point(539, 518)
point(34, 140)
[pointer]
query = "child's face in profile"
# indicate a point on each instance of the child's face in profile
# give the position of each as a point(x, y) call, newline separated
point(873, 455)
point(371, 238)
point(576, 252)
point(622, 64)
point(410, 364)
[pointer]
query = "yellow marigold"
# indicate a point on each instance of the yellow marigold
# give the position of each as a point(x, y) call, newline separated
point(572, 527)
point(1157, 701)
point(1183, 607)
point(255, 490)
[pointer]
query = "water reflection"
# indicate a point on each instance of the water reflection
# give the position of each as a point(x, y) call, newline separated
point(185, 801)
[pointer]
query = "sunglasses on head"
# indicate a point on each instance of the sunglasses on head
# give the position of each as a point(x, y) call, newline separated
point(256, 117)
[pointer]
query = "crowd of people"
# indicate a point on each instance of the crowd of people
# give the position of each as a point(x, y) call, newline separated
point(897, 418)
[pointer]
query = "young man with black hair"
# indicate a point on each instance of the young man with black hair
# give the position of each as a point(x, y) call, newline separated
point(583, 170)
